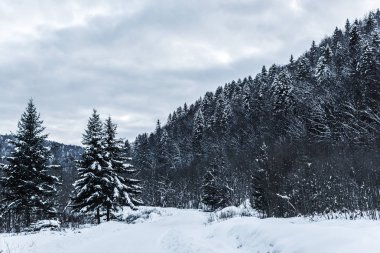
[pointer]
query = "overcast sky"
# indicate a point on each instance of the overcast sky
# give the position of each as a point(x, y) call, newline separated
point(139, 60)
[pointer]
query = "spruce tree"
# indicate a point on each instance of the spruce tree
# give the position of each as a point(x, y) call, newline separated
point(369, 69)
point(214, 193)
point(246, 100)
point(340, 57)
point(354, 49)
point(282, 92)
point(313, 54)
point(28, 187)
point(323, 71)
point(101, 184)
point(303, 70)
point(198, 132)
point(260, 182)
point(127, 149)
point(124, 191)
point(91, 189)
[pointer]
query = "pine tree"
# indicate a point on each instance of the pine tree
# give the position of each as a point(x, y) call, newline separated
point(222, 114)
point(354, 48)
point(164, 148)
point(337, 38)
point(323, 71)
point(370, 24)
point(246, 100)
point(347, 28)
point(27, 185)
point(282, 92)
point(100, 185)
point(123, 191)
point(206, 104)
point(369, 69)
point(91, 189)
point(272, 72)
point(340, 57)
point(226, 117)
point(127, 149)
point(198, 131)
point(303, 69)
point(292, 64)
point(313, 54)
point(260, 182)
point(214, 193)
point(264, 72)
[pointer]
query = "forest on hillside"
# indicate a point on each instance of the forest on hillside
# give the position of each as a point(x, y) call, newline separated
point(301, 138)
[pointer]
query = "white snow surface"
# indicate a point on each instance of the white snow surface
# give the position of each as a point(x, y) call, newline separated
point(179, 231)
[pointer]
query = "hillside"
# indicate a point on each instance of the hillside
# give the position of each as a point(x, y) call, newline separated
point(300, 138)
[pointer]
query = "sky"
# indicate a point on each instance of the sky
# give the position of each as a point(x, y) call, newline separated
point(137, 61)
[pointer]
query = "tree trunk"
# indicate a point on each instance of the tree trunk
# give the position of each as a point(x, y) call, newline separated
point(108, 214)
point(27, 214)
point(98, 215)
point(9, 221)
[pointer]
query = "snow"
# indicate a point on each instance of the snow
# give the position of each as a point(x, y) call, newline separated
point(172, 230)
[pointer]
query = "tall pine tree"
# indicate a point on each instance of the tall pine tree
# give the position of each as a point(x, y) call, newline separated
point(101, 185)
point(124, 191)
point(28, 187)
point(91, 189)
point(214, 192)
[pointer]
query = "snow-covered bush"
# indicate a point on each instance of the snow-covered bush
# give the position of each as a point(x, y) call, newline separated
point(244, 210)
point(137, 216)
point(44, 225)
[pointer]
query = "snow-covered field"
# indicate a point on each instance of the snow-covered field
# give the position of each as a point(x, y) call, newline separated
point(180, 231)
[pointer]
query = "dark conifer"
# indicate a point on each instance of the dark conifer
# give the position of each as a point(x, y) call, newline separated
point(214, 193)
point(28, 186)
point(90, 190)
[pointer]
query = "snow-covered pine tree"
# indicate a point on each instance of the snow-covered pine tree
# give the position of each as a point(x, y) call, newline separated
point(313, 54)
point(282, 92)
point(28, 187)
point(369, 70)
point(214, 193)
point(222, 114)
point(323, 71)
point(354, 48)
point(127, 148)
point(340, 57)
point(260, 182)
point(91, 188)
point(198, 131)
point(124, 191)
point(163, 145)
point(246, 99)
point(303, 70)
point(292, 64)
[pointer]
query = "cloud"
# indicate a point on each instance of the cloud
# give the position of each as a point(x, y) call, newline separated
point(139, 60)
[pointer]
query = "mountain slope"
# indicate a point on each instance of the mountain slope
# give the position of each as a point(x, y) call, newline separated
point(296, 139)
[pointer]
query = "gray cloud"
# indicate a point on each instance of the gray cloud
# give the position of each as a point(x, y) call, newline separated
point(138, 60)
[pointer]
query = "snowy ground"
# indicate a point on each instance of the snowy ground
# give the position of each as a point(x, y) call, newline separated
point(180, 231)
